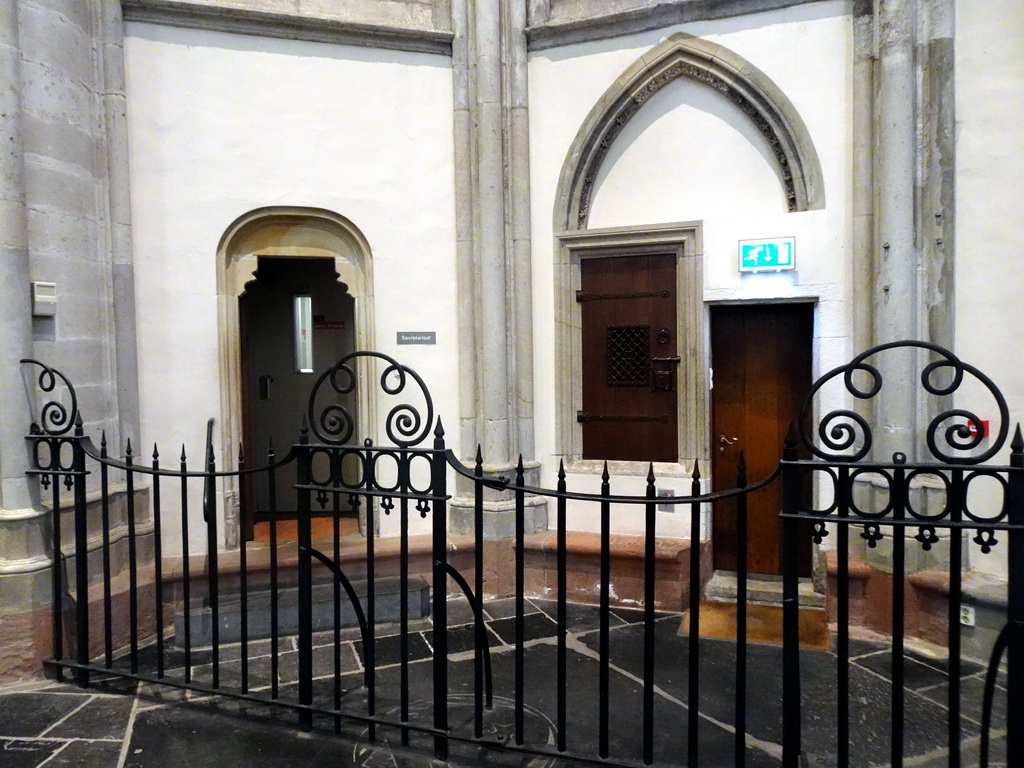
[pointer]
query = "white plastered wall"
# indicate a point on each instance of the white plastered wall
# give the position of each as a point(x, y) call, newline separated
point(989, 201)
point(690, 155)
point(223, 124)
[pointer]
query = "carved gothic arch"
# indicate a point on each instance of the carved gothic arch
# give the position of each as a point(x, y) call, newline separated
point(737, 79)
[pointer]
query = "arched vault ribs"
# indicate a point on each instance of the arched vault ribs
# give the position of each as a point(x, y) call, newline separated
point(767, 107)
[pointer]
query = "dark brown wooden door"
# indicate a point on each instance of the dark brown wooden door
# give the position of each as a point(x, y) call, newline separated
point(761, 359)
point(630, 358)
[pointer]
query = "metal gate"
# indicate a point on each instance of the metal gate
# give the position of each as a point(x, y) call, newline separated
point(193, 589)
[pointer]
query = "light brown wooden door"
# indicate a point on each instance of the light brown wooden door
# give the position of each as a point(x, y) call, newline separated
point(761, 359)
point(630, 358)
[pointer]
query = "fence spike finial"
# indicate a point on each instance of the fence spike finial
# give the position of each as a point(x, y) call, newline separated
point(479, 454)
point(439, 429)
point(103, 441)
point(695, 475)
point(241, 451)
point(182, 453)
point(605, 477)
point(128, 448)
point(650, 473)
point(1017, 448)
point(561, 469)
point(156, 453)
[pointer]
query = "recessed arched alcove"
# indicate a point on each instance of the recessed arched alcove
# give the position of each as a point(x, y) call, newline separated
point(280, 234)
point(694, 89)
point(712, 65)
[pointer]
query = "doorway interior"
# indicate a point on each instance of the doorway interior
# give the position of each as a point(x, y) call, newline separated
point(296, 319)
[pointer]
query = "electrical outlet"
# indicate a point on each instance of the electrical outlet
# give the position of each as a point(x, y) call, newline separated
point(967, 617)
point(666, 493)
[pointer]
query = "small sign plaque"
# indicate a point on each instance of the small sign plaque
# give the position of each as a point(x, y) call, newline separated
point(772, 254)
point(417, 337)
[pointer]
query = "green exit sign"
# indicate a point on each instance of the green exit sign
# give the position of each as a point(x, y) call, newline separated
point(768, 254)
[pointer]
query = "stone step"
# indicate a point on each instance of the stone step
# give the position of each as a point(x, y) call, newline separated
point(718, 620)
point(387, 608)
point(764, 590)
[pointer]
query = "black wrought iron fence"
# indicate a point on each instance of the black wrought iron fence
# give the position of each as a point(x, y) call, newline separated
point(231, 613)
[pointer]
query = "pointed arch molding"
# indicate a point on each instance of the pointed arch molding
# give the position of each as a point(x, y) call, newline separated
point(681, 55)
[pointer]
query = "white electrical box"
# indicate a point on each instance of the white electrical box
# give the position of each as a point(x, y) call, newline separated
point(44, 299)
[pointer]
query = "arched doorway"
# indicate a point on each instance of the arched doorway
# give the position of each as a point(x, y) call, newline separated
point(295, 296)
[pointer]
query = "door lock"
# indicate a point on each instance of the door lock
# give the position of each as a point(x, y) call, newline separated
point(724, 441)
point(663, 374)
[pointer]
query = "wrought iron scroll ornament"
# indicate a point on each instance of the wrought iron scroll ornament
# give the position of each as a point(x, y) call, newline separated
point(405, 425)
point(55, 418)
point(949, 437)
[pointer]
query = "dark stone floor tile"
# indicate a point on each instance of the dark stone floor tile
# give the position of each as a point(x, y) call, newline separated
point(86, 754)
point(535, 626)
point(174, 658)
point(463, 638)
point(869, 701)
point(972, 693)
point(186, 737)
point(323, 662)
point(968, 667)
point(503, 609)
point(26, 754)
point(637, 615)
point(459, 612)
point(388, 649)
point(864, 647)
point(578, 617)
point(229, 674)
point(970, 755)
point(105, 717)
point(915, 674)
point(29, 714)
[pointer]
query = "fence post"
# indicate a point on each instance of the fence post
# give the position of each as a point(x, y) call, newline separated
point(790, 605)
point(81, 554)
point(439, 490)
point(1015, 604)
point(303, 469)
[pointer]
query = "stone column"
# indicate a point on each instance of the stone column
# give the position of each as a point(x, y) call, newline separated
point(897, 257)
point(863, 174)
point(15, 308)
point(912, 287)
point(493, 233)
point(118, 232)
point(912, 291)
point(24, 554)
point(64, 218)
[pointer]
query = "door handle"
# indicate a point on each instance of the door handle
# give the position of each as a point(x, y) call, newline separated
point(724, 441)
point(264, 386)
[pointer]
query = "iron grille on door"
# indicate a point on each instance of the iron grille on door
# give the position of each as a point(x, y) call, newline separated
point(629, 357)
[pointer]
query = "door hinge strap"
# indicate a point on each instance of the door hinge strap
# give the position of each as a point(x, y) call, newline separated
point(662, 294)
point(583, 417)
